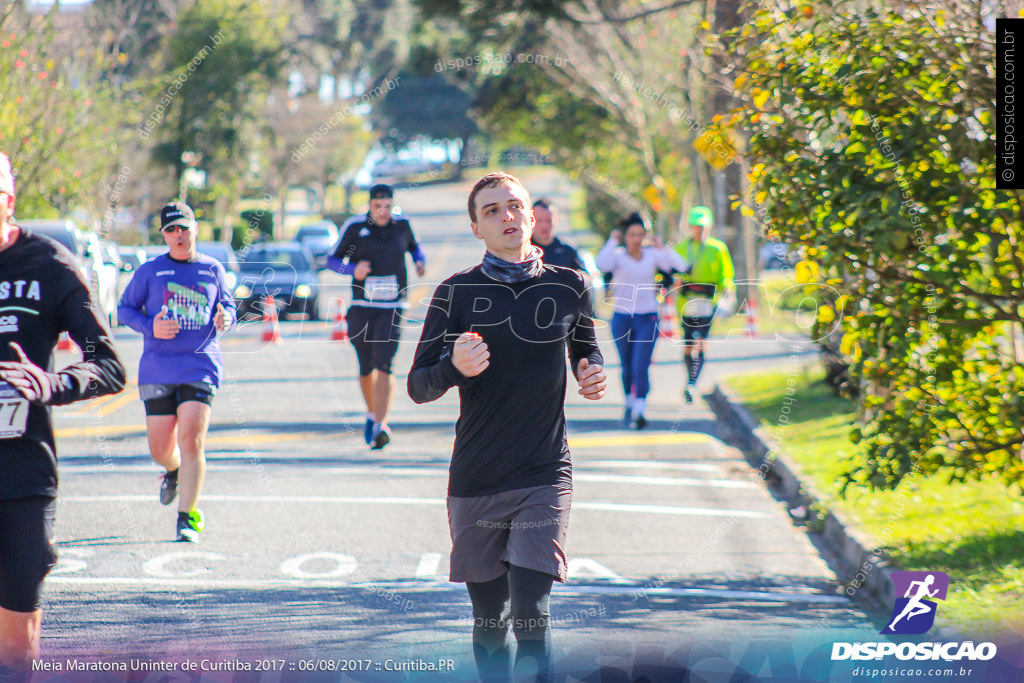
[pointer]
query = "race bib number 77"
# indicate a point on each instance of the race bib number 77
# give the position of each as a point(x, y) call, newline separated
point(13, 412)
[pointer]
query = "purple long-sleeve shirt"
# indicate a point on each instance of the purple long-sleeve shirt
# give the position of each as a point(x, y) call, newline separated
point(187, 291)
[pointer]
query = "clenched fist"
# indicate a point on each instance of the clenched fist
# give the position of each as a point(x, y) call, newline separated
point(28, 378)
point(592, 380)
point(221, 320)
point(165, 329)
point(362, 270)
point(470, 355)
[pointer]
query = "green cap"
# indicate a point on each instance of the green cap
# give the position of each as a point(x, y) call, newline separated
point(700, 215)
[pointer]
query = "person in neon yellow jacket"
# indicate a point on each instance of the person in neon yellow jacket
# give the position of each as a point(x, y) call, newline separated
point(707, 279)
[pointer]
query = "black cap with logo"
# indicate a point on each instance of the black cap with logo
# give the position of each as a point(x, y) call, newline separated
point(177, 213)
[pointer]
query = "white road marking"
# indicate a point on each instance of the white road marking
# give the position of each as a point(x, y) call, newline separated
point(584, 566)
point(429, 563)
point(66, 565)
point(664, 481)
point(344, 564)
point(158, 565)
point(650, 465)
point(669, 510)
point(581, 474)
point(440, 502)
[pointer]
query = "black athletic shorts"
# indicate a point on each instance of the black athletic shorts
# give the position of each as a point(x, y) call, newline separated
point(26, 550)
point(174, 395)
point(374, 334)
point(696, 328)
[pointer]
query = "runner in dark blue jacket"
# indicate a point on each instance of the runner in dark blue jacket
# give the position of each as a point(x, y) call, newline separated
point(372, 249)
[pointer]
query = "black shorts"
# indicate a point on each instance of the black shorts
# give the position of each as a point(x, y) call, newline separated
point(26, 550)
point(175, 396)
point(696, 328)
point(374, 334)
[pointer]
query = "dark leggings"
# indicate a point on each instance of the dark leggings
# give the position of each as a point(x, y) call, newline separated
point(519, 597)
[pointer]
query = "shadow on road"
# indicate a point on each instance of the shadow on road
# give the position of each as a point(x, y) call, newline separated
point(413, 617)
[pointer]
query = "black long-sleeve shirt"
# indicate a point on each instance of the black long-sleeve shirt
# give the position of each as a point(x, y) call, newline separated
point(43, 293)
point(384, 246)
point(558, 253)
point(511, 429)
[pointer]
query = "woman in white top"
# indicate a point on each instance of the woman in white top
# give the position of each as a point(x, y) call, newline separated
point(635, 303)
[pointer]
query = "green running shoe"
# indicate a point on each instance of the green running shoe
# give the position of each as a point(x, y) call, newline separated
point(190, 525)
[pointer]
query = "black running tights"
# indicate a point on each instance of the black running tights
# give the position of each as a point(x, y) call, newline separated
point(519, 598)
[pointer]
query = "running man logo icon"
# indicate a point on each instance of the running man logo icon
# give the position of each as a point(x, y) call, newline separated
point(914, 613)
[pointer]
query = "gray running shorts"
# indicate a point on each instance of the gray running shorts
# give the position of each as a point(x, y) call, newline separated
point(525, 527)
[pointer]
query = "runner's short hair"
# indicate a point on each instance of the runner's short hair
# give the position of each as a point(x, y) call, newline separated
point(492, 179)
point(544, 204)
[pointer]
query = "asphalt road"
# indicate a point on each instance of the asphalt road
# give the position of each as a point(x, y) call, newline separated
point(318, 548)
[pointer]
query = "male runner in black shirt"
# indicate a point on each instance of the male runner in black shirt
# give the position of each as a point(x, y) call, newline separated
point(554, 251)
point(372, 250)
point(499, 332)
point(42, 293)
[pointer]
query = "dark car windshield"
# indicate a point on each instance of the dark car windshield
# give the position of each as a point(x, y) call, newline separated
point(132, 260)
point(305, 233)
point(275, 259)
point(62, 236)
point(220, 253)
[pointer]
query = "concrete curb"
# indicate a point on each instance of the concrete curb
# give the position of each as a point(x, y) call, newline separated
point(866, 575)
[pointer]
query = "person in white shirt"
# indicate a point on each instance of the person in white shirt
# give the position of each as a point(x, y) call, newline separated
point(635, 304)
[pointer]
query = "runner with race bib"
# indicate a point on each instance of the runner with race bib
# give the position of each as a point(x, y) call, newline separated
point(372, 250)
point(43, 292)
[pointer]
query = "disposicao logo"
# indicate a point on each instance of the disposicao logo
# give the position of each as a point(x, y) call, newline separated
point(914, 614)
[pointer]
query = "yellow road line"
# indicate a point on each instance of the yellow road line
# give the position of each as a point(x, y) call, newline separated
point(99, 406)
point(640, 440)
point(97, 430)
point(125, 397)
point(140, 429)
point(252, 438)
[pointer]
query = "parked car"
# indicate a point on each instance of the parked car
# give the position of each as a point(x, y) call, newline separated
point(226, 255)
point(107, 275)
point(282, 270)
point(101, 275)
point(112, 259)
point(777, 255)
point(132, 257)
point(63, 231)
point(320, 239)
point(154, 250)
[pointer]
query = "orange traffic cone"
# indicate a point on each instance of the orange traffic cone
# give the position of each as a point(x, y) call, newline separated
point(751, 318)
point(271, 331)
point(340, 330)
point(64, 342)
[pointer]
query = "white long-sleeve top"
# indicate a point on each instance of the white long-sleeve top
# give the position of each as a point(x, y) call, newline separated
point(633, 287)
